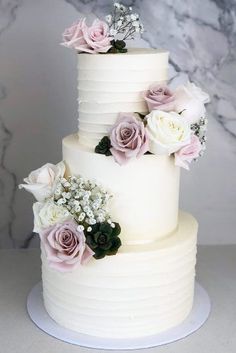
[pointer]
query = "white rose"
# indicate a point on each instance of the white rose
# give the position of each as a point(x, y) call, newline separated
point(47, 214)
point(167, 132)
point(42, 182)
point(190, 100)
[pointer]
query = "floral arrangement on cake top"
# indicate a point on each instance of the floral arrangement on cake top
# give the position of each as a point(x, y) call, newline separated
point(107, 36)
point(175, 125)
point(71, 216)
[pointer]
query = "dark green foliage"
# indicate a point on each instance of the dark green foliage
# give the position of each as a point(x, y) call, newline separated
point(118, 46)
point(142, 116)
point(104, 146)
point(103, 239)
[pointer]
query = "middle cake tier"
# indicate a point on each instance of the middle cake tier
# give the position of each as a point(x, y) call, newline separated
point(145, 191)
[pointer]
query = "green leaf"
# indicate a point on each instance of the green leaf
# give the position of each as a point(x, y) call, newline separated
point(90, 242)
point(113, 50)
point(99, 254)
point(96, 236)
point(103, 239)
point(106, 228)
point(95, 228)
point(115, 246)
point(104, 146)
point(106, 246)
point(123, 50)
point(142, 116)
point(108, 153)
point(120, 44)
point(116, 231)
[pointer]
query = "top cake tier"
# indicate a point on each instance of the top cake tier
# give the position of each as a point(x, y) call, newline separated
point(112, 83)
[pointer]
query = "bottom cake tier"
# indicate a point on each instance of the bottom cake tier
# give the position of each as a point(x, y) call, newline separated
point(143, 290)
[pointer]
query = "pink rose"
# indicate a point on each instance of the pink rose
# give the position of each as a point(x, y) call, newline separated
point(65, 246)
point(189, 152)
point(97, 36)
point(93, 39)
point(159, 98)
point(128, 138)
point(73, 37)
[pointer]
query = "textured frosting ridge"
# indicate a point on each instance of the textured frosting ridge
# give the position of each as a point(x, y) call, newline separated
point(143, 290)
point(148, 286)
point(109, 84)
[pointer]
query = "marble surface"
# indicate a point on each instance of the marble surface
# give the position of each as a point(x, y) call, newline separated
point(38, 99)
point(20, 271)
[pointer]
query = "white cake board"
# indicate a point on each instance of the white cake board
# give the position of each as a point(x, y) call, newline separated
point(197, 317)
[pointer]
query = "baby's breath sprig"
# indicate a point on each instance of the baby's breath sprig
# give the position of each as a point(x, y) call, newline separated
point(84, 199)
point(124, 24)
point(200, 129)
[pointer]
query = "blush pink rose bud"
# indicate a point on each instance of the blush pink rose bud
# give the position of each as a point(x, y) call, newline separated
point(65, 246)
point(187, 153)
point(159, 98)
point(73, 36)
point(93, 39)
point(128, 138)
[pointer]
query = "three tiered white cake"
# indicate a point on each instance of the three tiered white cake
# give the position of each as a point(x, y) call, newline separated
point(148, 286)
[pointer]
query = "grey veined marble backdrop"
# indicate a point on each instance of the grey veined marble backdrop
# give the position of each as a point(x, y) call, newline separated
point(38, 99)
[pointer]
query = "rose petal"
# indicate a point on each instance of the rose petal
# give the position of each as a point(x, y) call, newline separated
point(86, 255)
point(181, 163)
point(119, 156)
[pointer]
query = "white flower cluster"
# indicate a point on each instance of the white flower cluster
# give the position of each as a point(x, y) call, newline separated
point(123, 21)
point(200, 130)
point(85, 200)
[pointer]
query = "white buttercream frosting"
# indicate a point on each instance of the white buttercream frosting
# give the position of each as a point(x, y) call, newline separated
point(145, 190)
point(141, 291)
point(113, 83)
point(148, 286)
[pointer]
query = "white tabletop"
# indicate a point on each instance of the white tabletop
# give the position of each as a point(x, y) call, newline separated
point(216, 271)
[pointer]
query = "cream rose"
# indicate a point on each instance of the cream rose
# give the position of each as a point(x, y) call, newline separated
point(47, 214)
point(190, 100)
point(42, 182)
point(167, 132)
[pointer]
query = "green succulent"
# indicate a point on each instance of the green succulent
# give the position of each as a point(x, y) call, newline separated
point(104, 146)
point(118, 46)
point(103, 239)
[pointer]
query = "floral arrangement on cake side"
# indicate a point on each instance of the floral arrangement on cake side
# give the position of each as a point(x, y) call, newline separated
point(107, 36)
point(71, 216)
point(175, 125)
